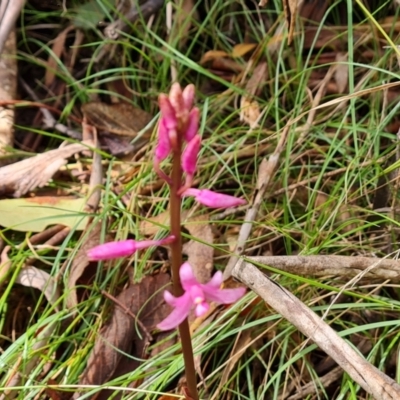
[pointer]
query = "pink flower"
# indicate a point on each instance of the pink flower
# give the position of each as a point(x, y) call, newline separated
point(196, 295)
point(189, 159)
point(212, 199)
point(163, 147)
point(178, 117)
point(124, 248)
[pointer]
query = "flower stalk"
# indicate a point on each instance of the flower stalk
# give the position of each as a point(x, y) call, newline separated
point(176, 262)
point(178, 127)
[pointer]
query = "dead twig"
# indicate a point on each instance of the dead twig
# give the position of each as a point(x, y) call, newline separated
point(266, 172)
point(371, 379)
point(150, 7)
point(344, 267)
point(9, 12)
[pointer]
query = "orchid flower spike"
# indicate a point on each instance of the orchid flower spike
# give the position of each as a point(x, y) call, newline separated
point(179, 122)
point(196, 295)
point(212, 199)
point(124, 248)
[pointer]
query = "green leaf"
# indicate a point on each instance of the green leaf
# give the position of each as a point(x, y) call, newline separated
point(35, 214)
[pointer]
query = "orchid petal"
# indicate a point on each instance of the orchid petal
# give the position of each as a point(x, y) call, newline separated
point(213, 199)
point(224, 296)
point(188, 96)
point(111, 250)
point(168, 112)
point(124, 248)
point(178, 314)
point(193, 124)
point(163, 147)
point(201, 309)
point(189, 156)
point(216, 281)
point(176, 99)
point(170, 298)
point(188, 280)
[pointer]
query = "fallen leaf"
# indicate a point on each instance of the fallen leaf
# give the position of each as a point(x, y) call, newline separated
point(57, 49)
point(151, 226)
point(212, 55)
point(118, 118)
point(81, 262)
point(30, 276)
point(290, 8)
point(145, 301)
point(249, 111)
point(257, 79)
point(28, 174)
point(242, 49)
point(36, 213)
point(200, 249)
point(341, 72)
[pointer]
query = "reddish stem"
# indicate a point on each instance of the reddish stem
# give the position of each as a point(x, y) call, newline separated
point(176, 260)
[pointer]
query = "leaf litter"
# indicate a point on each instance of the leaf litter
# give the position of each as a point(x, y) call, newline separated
point(243, 65)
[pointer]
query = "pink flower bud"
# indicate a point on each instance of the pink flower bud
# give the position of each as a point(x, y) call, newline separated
point(176, 99)
point(123, 248)
point(188, 96)
point(163, 147)
point(212, 199)
point(189, 155)
point(193, 124)
point(168, 112)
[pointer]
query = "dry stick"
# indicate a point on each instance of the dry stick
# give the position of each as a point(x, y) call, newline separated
point(342, 266)
point(148, 8)
point(311, 387)
point(176, 262)
point(9, 12)
point(285, 303)
point(251, 214)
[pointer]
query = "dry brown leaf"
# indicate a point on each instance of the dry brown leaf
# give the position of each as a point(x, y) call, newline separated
point(249, 111)
point(200, 250)
point(263, 173)
point(341, 72)
point(81, 262)
point(290, 8)
point(242, 49)
point(151, 226)
point(55, 55)
point(249, 108)
point(257, 79)
point(23, 176)
point(30, 276)
point(212, 55)
point(141, 302)
point(118, 118)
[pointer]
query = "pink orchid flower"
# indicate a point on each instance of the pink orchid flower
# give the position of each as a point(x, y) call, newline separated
point(196, 295)
point(124, 248)
point(212, 199)
point(179, 121)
